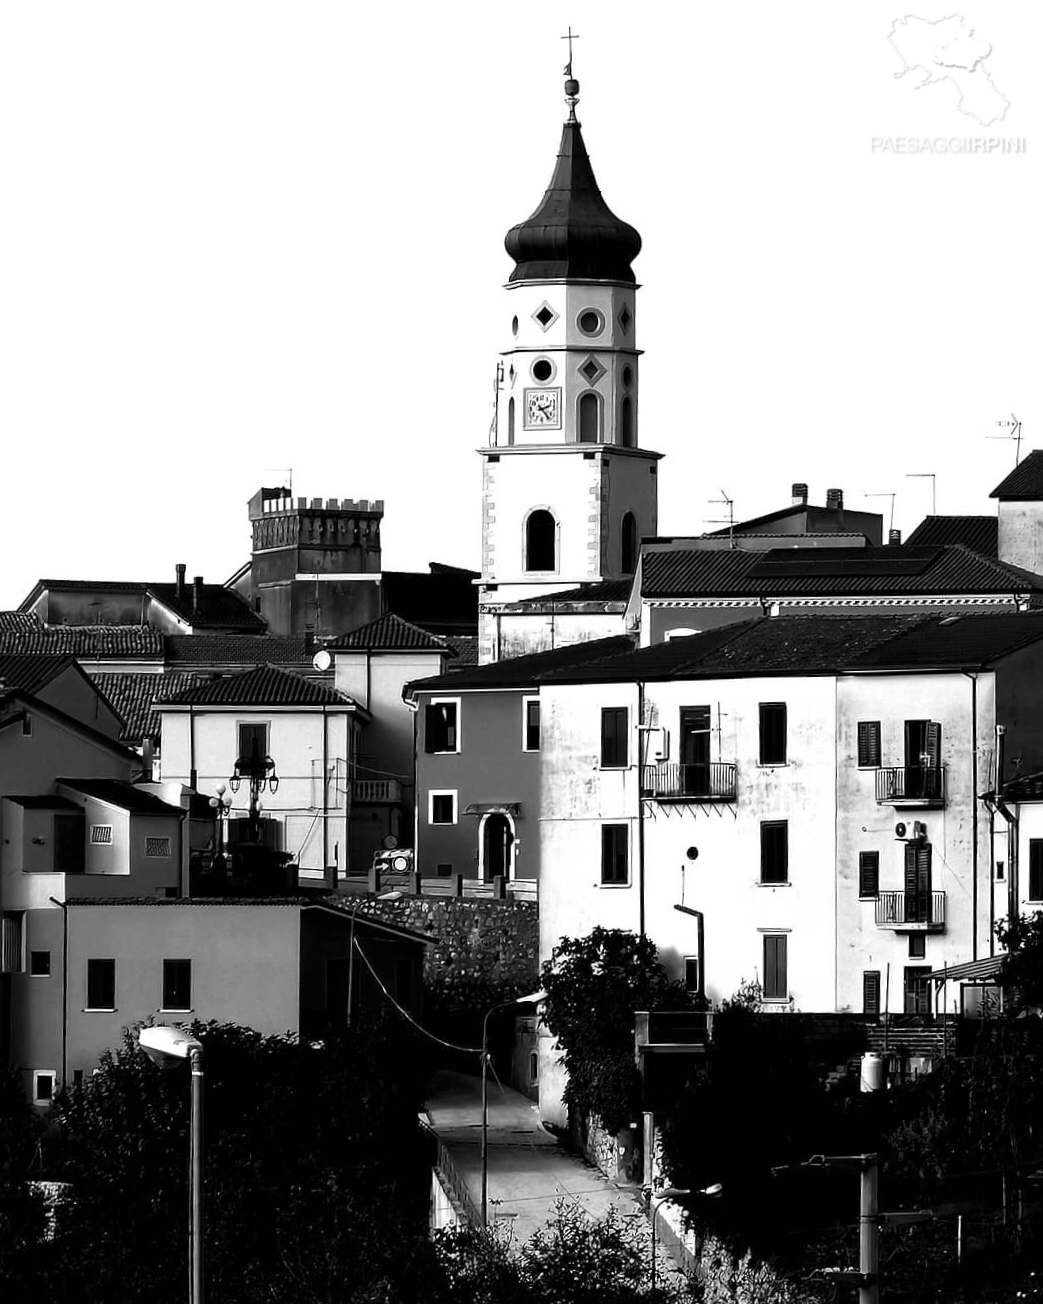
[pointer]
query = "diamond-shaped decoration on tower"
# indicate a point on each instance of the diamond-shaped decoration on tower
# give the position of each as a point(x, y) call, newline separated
point(545, 316)
point(591, 370)
point(625, 318)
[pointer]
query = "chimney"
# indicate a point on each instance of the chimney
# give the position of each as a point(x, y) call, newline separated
point(894, 537)
point(834, 500)
point(179, 582)
point(800, 495)
point(197, 591)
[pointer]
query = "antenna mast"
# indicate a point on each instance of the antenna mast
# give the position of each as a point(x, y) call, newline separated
point(728, 520)
point(1014, 426)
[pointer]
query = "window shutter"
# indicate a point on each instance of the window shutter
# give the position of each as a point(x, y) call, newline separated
point(1036, 869)
point(868, 873)
point(869, 743)
point(871, 991)
point(775, 977)
point(933, 743)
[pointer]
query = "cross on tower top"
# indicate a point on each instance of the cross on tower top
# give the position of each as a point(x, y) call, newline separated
point(571, 85)
point(570, 36)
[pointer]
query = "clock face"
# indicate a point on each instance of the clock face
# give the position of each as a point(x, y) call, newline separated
point(543, 409)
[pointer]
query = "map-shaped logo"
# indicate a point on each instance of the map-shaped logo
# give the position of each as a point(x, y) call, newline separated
point(946, 49)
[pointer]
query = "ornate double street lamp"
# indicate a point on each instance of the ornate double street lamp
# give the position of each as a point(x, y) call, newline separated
point(221, 806)
point(169, 1047)
point(259, 771)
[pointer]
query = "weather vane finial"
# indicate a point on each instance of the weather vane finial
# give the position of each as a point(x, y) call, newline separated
point(571, 85)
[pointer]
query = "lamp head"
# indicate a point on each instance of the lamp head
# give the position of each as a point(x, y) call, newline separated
point(167, 1046)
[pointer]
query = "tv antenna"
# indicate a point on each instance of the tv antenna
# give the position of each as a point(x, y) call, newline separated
point(729, 520)
point(1014, 426)
point(891, 526)
point(927, 475)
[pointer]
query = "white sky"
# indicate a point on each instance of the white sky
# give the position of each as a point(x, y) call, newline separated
point(242, 235)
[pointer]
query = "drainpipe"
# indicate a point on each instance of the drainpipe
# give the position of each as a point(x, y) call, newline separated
point(65, 986)
point(974, 814)
point(325, 807)
point(193, 778)
point(640, 813)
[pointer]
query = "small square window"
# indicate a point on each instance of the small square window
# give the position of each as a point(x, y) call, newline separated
point(253, 742)
point(591, 370)
point(40, 964)
point(43, 1086)
point(442, 809)
point(545, 316)
point(917, 946)
point(177, 984)
point(444, 868)
point(614, 737)
point(157, 848)
point(101, 835)
point(531, 724)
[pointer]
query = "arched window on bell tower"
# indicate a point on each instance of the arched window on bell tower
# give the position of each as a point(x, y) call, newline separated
point(626, 423)
point(541, 530)
point(589, 418)
point(628, 544)
point(510, 422)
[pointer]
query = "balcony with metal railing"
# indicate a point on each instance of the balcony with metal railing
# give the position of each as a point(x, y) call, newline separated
point(911, 912)
point(709, 781)
point(911, 785)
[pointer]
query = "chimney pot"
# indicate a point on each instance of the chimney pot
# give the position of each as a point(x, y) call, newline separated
point(179, 582)
point(835, 499)
point(197, 591)
point(894, 536)
point(800, 495)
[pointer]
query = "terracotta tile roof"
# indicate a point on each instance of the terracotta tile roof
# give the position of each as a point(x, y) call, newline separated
point(247, 649)
point(389, 633)
point(18, 622)
point(218, 606)
point(86, 641)
point(519, 672)
point(132, 696)
point(979, 533)
point(794, 645)
point(262, 686)
point(955, 569)
point(127, 796)
point(31, 673)
point(466, 648)
point(1025, 482)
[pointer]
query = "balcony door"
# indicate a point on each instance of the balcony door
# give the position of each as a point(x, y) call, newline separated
point(695, 751)
point(917, 882)
point(923, 750)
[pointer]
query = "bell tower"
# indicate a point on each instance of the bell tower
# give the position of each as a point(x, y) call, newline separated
point(567, 492)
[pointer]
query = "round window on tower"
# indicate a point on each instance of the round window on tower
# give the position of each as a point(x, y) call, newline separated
point(590, 321)
point(628, 377)
point(542, 370)
point(514, 326)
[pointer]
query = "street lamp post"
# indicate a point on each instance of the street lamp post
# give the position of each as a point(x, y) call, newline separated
point(168, 1047)
point(672, 1193)
point(221, 805)
point(532, 998)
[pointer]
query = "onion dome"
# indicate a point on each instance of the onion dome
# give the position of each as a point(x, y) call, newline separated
point(573, 234)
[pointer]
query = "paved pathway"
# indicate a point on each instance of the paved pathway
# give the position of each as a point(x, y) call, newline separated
point(529, 1171)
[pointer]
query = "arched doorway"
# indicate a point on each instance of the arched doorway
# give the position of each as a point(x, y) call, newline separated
point(496, 840)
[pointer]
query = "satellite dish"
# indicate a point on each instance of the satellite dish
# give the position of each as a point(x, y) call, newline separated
point(322, 660)
point(390, 842)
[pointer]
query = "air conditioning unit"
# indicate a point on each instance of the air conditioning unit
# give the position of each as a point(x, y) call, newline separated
point(900, 829)
point(919, 829)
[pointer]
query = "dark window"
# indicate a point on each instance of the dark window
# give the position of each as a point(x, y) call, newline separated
point(101, 984)
point(917, 946)
point(542, 370)
point(871, 991)
point(868, 873)
point(628, 377)
point(44, 1088)
point(70, 843)
point(40, 964)
point(440, 727)
point(614, 749)
point(774, 851)
point(776, 981)
point(510, 422)
point(253, 742)
point(773, 733)
point(589, 419)
point(532, 726)
point(614, 853)
point(917, 990)
point(628, 544)
point(869, 743)
point(918, 882)
point(1036, 869)
point(626, 423)
point(540, 541)
point(692, 977)
point(443, 808)
point(27, 726)
point(590, 322)
point(1001, 869)
point(177, 984)
point(444, 868)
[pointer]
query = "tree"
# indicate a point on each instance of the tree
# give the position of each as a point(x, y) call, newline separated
point(594, 984)
point(1021, 974)
point(22, 1219)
